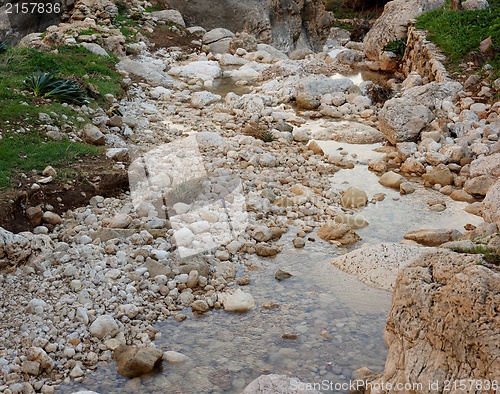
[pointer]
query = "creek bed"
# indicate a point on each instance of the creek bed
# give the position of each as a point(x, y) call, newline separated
point(338, 321)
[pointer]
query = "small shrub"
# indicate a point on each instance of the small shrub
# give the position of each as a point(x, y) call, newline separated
point(48, 85)
point(397, 46)
point(259, 132)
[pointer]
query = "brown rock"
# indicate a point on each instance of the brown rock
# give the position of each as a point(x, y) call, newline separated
point(462, 195)
point(307, 101)
point(264, 250)
point(314, 146)
point(443, 320)
point(339, 232)
point(133, 361)
point(439, 175)
point(479, 185)
point(354, 197)
point(34, 215)
point(433, 237)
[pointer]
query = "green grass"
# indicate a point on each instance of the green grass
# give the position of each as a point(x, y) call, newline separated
point(489, 255)
point(18, 106)
point(458, 33)
point(88, 32)
point(154, 8)
point(33, 152)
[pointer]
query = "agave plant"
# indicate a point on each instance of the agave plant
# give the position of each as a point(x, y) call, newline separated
point(3, 47)
point(41, 83)
point(49, 85)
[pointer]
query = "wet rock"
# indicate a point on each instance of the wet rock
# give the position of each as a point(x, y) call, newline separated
point(378, 265)
point(262, 234)
point(93, 135)
point(439, 175)
point(200, 306)
point(339, 232)
point(299, 243)
point(406, 188)
point(353, 221)
point(174, 357)
point(391, 179)
point(135, 361)
point(354, 197)
point(104, 326)
point(402, 120)
point(264, 250)
point(238, 301)
point(433, 237)
point(282, 275)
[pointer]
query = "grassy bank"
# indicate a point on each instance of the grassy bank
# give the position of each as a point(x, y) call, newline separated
point(25, 148)
point(459, 33)
point(33, 151)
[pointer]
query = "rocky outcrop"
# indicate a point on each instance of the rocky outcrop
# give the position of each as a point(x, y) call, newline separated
point(379, 265)
point(393, 23)
point(286, 24)
point(491, 204)
point(402, 120)
point(15, 25)
point(24, 247)
point(443, 324)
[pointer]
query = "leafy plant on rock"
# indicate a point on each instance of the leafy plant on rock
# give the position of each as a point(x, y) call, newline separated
point(396, 46)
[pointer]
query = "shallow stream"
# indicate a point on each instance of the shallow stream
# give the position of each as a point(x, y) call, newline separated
point(333, 322)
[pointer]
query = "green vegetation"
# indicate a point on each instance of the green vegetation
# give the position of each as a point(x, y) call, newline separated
point(48, 85)
point(18, 106)
point(33, 152)
point(154, 8)
point(459, 33)
point(88, 32)
point(489, 254)
point(3, 47)
point(397, 46)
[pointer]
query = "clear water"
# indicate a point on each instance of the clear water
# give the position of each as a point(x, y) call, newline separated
point(338, 321)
